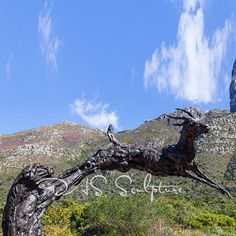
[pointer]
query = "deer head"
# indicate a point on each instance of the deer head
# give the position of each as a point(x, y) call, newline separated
point(190, 123)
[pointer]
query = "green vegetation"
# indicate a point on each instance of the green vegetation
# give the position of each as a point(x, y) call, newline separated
point(231, 169)
point(137, 215)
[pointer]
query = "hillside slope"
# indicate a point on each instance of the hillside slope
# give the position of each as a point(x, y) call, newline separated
point(66, 144)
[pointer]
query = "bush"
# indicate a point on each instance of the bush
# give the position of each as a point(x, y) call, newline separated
point(207, 220)
point(137, 215)
point(64, 217)
point(55, 230)
point(119, 215)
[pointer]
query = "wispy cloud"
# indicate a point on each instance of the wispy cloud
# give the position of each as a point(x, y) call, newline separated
point(49, 41)
point(190, 68)
point(8, 66)
point(95, 114)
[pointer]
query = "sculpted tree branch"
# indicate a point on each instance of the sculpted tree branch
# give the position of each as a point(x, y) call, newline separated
point(35, 188)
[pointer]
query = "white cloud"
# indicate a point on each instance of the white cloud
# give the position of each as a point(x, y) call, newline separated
point(95, 114)
point(8, 66)
point(190, 68)
point(189, 5)
point(49, 42)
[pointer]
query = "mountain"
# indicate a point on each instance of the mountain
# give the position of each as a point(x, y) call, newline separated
point(47, 144)
point(66, 144)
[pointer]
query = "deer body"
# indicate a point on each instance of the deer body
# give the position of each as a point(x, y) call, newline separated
point(184, 151)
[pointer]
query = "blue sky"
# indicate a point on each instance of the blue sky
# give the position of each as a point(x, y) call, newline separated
point(120, 62)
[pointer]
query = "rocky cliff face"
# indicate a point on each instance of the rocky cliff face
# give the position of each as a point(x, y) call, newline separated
point(222, 136)
point(233, 90)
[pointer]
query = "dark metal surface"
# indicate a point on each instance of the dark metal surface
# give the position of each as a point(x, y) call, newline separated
point(35, 189)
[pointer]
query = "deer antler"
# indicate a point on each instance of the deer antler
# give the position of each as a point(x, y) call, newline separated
point(187, 112)
point(191, 116)
point(176, 117)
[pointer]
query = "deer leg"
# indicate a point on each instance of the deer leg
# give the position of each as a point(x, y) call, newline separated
point(209, 183)
point(199, 173)
point(189, 174)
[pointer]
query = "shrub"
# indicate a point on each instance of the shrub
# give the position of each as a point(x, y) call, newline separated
point(207, 220)
point(137, 215)
point(64, 217)
point(55, 230)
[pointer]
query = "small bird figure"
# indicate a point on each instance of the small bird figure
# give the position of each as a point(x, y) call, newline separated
point(111, 137)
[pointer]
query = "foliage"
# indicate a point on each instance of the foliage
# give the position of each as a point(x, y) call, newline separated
point(137, 215)
point(55, 230)
point(64, 218)
point(123, 215)
point(230, 173)
point(206, 220)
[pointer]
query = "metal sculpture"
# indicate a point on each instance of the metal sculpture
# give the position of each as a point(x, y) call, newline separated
point(35, 189)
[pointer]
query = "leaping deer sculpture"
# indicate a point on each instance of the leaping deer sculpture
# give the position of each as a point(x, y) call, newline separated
point(184, 152)
point(35, 188)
